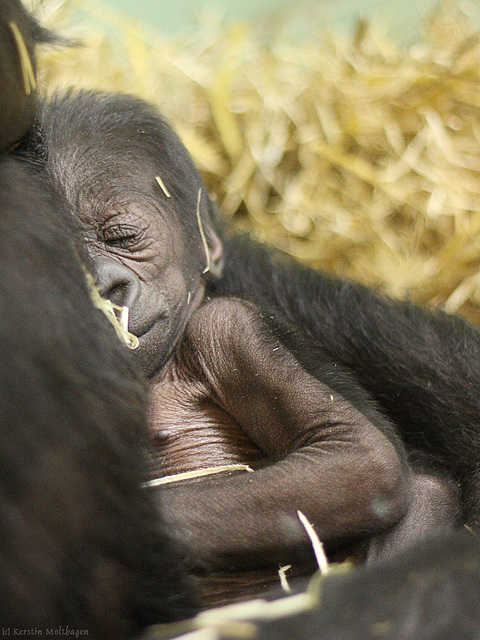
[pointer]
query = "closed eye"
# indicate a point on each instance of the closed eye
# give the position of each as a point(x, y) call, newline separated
point(122, 236)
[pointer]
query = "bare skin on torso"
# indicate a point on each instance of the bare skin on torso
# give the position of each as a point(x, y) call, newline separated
point(232, 393)
point(190, 430)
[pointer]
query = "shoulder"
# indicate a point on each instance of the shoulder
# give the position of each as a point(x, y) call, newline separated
point(224, 337)
point(223, 317)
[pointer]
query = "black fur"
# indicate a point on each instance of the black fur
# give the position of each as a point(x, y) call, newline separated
point(18, 95)
point(421, 366)
point(82, 545)
point(413, 596)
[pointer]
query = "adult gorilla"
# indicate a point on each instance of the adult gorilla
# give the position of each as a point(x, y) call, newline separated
point(84, 550)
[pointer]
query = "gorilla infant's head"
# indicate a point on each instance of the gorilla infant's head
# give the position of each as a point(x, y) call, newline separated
point(145, 215)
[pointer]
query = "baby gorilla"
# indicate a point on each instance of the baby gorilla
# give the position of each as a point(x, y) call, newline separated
point(325, 389)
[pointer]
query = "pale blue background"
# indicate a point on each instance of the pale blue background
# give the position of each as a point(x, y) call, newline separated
point(401, 17)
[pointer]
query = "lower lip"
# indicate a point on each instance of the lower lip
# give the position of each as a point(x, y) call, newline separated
point(152, 325)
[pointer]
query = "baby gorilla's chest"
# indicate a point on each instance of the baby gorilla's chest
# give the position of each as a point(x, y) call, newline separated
point(191, 431)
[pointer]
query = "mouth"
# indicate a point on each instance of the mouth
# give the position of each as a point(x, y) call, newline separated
point(142, 331)
point(155, 345)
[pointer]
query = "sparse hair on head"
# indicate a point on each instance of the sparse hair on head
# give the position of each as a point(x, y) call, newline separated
point(101, 136)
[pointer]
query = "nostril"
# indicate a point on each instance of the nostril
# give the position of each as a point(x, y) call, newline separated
point(115, 293)
point(117, 283)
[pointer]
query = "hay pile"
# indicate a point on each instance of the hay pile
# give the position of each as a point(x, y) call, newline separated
point(354, 154)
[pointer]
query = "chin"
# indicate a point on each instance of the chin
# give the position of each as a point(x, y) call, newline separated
point(155, 346)
point(158, 341)
point(151, 356)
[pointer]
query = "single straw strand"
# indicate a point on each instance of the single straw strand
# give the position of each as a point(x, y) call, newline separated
point(198, 473)
point(28, 74)
point(202, 233)
point(162, 186)
point(316, 544)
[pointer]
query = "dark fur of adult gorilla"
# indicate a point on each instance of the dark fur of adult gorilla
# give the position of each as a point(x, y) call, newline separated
point(83, 546)
point(360, 411)
point(430, 591)
point(84, 551)
point(19, 34)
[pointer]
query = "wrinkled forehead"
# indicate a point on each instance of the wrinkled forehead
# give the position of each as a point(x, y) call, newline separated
point(107, 151)
point(131, 198)
point(108, 145)
point(97, 178)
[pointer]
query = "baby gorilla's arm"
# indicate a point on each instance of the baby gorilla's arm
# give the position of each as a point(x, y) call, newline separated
point(324, 456)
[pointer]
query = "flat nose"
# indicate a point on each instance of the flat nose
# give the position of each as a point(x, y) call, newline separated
point(117, 283)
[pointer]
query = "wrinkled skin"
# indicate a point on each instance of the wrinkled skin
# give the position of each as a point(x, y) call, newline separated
point(398, 454)
point(135, 268)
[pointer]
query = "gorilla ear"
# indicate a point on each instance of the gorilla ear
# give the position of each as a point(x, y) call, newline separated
point(215, 259)
point(211, 240)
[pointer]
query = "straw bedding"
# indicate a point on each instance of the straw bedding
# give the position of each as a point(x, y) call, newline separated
point(355, 154)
